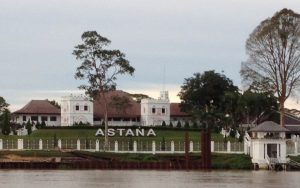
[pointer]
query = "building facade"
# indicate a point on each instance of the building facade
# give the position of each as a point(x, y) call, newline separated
point(123, 110)
point(155, 111)
point(38, 111)
point(76, 110)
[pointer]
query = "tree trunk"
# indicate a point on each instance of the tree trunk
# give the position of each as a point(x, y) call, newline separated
point(282, 114)
point(106, 123)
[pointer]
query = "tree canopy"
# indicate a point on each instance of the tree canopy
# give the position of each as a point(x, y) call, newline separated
point(203, 91)
point(100, 67)
point(197, 91)
point(273, 50)
point(3, 105)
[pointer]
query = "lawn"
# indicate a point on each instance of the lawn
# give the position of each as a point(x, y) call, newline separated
point(89, 134)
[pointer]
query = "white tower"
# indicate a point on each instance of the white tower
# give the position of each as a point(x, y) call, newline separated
point(155, 111)
point(76, 109)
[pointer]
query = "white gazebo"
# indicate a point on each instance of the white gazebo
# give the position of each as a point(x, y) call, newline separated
point(268, 145)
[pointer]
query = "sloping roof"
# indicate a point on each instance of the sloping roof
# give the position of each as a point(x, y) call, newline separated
point(293, 129)
point(39, 107)
point(268, 126)
point(132, 109)
point(176, 111)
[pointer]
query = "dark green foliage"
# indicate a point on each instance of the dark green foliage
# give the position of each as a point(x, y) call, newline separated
point(38, 125)
point(163, 144)
point(231, 161)
point(103, 123)
point(198, 91)
point(241, 138)
point(232, 133)
point(130, 144)
point(81, 124)
point(100, 66)
point(138, 97)
point(43, 124)
point(54, 103)
point(28, 126)
point(3, 105)
point(6, 122)
point(178, 124)
point(186, 124)
point(163, 124)
point(55, 141)
point(217, 129)
point(87, 144)
point(171, 124)
point(195, 125)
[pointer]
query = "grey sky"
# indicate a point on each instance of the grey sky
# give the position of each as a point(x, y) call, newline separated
point(37, 38)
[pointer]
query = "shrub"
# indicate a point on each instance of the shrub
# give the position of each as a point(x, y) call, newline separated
point(6, 122)
point(43, 124)
point(163, 144)
point(29, 127)
point(163, 124)
point(232, 133)
point(186, 124)
point(178, 124)
point(171, 124)
point(38, 125)
point(195, 124)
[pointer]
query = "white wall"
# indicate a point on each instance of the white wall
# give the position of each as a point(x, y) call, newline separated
point(259, 149)
point(150, 118)
point(70, 115)
point(19, 119)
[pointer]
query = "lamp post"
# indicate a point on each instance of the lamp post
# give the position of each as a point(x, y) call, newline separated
point(226, 126)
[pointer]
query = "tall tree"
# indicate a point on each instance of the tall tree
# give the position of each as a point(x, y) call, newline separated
point(100, 67)
point(198, 92)
point(274, 55)
point(3, 105)
point(6, 122)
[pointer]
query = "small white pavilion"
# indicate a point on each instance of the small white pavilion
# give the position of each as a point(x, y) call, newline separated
point(268, 145)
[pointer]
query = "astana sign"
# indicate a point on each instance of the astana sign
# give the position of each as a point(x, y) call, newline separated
point(126, 132)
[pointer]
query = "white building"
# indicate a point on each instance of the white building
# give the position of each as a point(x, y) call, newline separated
point(268, 144)
point(38, 111)
point(76, 109)
point(123, 110)
point(156, 111)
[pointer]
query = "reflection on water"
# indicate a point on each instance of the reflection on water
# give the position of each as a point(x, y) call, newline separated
point(138, 179)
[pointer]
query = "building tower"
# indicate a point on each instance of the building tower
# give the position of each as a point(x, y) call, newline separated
point(155, 111)
point(76, 109)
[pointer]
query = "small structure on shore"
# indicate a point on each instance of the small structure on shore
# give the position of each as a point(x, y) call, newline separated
point(268, 145)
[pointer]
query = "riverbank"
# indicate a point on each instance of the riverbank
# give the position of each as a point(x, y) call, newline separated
point(104, 160)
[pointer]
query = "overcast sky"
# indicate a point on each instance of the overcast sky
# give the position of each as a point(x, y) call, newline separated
point(37, 38)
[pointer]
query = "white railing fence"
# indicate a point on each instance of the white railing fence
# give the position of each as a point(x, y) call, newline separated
point(131, 146)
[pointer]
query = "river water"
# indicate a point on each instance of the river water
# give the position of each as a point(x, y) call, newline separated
point(143, 178)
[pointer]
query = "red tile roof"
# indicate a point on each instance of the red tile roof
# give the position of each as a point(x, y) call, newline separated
point(133, 110)
point(176, 111)
point(39, 107)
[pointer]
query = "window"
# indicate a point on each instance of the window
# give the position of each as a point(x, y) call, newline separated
point(77, 107)
point(44, 118)
point(34, 118)
point(85, 108)
point(163, 110)
point(24, 118)
point(153, 110)
point(53, 118)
